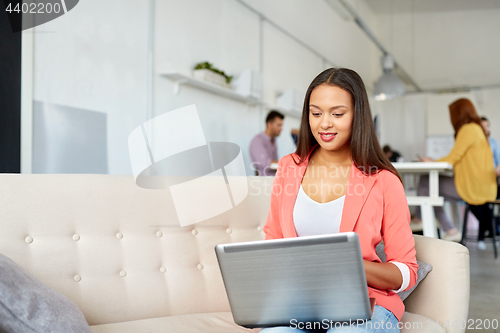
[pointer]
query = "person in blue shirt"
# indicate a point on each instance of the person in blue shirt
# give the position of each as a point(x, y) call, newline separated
point(495, 149)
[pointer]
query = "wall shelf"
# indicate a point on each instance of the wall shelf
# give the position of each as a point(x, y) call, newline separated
point(180, 79)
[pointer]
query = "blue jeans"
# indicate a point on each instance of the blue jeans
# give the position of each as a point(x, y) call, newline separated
point(382, 320)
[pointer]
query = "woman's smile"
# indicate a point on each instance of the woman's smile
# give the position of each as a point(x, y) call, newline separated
point(327, 136)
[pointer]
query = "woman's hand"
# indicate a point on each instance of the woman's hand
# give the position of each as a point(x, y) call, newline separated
point(497, 170)
point(384, 276)
point(426, 159)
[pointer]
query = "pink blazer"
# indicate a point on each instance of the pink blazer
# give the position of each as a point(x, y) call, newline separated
point(375, 208)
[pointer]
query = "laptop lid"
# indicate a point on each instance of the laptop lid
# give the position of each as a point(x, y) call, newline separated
point(303, 279)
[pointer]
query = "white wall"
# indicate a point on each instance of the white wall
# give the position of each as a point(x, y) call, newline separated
point(94, 58)
point(91, 59)
point(223, 33)
point(488, 104)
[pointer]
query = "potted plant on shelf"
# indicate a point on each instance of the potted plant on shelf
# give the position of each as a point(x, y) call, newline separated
point(206, 72)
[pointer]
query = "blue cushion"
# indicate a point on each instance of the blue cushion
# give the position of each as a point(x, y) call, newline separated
point(423, 269)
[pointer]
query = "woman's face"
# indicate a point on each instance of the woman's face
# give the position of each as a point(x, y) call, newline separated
point(330, 117)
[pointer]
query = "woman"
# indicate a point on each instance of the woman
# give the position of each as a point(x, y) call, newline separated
point(340, 180)
point(473, 166)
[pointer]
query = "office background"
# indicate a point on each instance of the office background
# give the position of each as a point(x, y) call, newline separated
point(109, 57)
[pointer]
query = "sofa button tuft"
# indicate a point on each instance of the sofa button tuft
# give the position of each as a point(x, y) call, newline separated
point(76, 237)
point(123, 273)
point(29, 239)
point(228, 230)
point(194, 232)
point(200, 266)
point(163, 269)
point(259, 228)
point(77, 278)
point(159, 234)
point(119, 235)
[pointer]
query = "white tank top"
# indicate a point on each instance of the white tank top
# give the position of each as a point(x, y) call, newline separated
point(314, 218)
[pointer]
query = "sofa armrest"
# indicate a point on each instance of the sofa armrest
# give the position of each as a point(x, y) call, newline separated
point(444, 294)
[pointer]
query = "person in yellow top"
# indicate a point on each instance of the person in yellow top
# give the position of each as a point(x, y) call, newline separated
point(475, 178)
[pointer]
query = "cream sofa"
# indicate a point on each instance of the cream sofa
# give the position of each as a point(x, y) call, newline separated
point(118, 251)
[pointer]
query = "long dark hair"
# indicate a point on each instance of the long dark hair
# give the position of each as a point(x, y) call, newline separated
point(462, 112)
point(365, 148)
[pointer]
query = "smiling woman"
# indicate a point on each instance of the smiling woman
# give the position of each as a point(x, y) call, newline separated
point(339, 180)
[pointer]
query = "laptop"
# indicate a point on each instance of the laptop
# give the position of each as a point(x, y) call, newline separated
point(313, 279)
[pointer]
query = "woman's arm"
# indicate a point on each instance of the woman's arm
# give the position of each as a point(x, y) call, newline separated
point(399, 245)
point(384, 276)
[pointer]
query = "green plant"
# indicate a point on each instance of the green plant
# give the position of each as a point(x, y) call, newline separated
point(209, 66)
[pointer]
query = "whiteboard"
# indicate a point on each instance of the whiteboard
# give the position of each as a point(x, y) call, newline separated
point(439, 146)
point(69, 140)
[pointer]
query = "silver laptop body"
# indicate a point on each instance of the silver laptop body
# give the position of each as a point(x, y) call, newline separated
point(304, 279)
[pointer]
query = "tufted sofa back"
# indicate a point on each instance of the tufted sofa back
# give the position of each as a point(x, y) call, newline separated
point(118, 250)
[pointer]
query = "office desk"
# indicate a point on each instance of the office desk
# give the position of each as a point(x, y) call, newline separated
point(427, 203)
